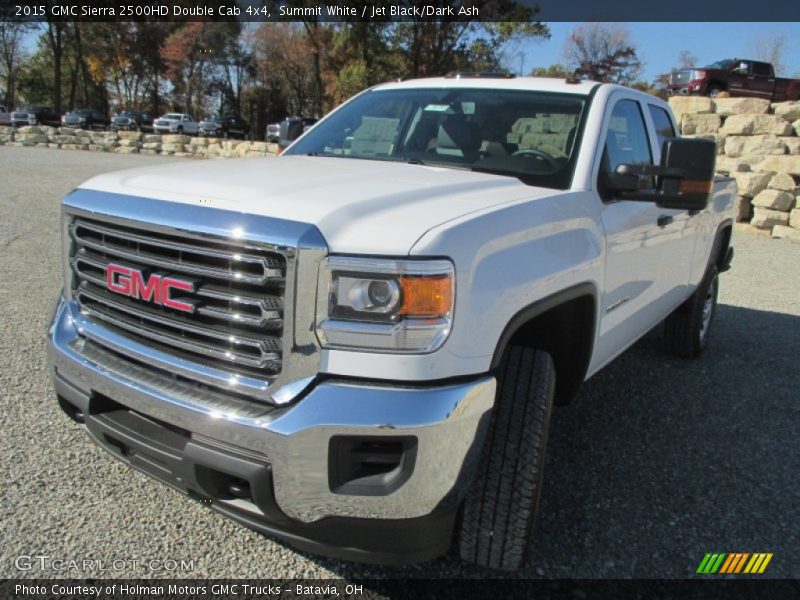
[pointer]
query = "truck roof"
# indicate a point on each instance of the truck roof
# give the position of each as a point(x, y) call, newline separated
point(542, 84)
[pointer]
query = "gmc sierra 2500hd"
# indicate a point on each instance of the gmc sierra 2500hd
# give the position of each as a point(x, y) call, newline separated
point(355, 347)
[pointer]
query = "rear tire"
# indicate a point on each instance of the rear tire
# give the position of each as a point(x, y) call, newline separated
point(500, 507)
point(687, 329)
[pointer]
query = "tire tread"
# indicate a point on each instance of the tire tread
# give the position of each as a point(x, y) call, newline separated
point(499, 510)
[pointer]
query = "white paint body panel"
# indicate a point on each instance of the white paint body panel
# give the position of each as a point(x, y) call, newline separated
point(512, 244)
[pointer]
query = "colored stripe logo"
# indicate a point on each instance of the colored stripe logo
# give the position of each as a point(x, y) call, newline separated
point(734, 562)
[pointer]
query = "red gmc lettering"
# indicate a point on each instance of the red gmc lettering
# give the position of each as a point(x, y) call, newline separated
point(167, 284)
point(150, 291)
point(131, 282)
point(121, 284)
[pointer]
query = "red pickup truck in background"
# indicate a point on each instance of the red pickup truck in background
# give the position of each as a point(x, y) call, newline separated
point(738, 77)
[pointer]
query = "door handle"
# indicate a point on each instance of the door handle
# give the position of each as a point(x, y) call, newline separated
point(664, 220)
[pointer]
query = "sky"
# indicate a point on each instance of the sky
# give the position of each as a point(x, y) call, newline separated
point(660, 43)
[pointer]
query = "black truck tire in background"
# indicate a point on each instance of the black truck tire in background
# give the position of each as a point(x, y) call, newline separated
point(500, 507)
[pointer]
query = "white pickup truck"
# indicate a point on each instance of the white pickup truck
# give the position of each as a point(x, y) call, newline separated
point(355, 347)
point(178, 123)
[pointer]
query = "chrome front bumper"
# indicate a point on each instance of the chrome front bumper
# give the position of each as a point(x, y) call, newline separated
point(448, 422)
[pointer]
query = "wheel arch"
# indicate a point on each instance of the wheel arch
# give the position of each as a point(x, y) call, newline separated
point(719, 249)
point(563, 325)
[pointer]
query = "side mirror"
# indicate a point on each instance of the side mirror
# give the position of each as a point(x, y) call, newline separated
point(683, 180)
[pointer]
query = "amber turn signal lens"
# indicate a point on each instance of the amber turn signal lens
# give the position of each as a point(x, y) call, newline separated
point(695, 186)
point(426, 296)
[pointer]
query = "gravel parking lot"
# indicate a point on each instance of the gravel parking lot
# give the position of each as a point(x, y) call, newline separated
point(658, 461)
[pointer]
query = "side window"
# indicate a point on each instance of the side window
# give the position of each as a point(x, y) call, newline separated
point(626, 141)
point(762, 69)
point(743, 68)
point(662, 122)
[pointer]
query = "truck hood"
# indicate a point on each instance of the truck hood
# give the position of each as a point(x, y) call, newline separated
point(359, 206)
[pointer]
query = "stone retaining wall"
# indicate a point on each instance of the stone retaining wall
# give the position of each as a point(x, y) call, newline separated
point(758, 144)
point(132, 142)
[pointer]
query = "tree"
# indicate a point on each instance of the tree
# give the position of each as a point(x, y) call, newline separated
point(193, 55)
point(55, 36)
point(557, 70)
point(771, 49)
point(686, 60)
point(284, 55)
point(11, 56)
point(437, 47)
point(603, 52)
point(360, 56)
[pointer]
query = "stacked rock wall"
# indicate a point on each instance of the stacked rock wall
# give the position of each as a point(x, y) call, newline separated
point(132, 142)
point(758, 144)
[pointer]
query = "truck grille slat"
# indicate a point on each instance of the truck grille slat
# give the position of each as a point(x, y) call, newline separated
point(176, 331)
point(236, 316)
point(186, 258)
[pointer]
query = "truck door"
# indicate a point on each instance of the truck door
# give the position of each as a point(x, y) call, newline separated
point(762, 80)
point(739, 79)
point(648, 249)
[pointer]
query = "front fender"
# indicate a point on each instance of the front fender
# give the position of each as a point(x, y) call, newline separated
point(509, 257)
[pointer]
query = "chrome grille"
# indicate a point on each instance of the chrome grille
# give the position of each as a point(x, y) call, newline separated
point(237, 298)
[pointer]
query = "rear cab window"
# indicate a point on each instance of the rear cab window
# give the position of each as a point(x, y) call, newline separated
point(662, 123)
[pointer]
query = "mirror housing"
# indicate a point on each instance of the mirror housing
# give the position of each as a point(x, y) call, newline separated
point(683, 180)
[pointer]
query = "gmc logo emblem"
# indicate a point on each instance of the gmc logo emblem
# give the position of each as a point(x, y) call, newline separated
point(157, 288)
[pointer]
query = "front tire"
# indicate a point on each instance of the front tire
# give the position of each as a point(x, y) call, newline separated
point(713, 91)
point(500, 507)
point(687, 329)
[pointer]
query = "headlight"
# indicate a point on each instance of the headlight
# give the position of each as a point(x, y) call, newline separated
point(385, 305)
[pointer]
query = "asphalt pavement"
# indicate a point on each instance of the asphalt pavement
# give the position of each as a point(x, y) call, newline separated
point(658, 461)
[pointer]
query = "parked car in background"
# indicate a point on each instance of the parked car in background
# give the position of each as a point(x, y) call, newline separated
point(292, 128)
point(273, 132)
point(176, 123)
point(84, 118)
point(131, 120)
point(35, 115)
point(225, 127)
point(5, 116)
point(738, 77)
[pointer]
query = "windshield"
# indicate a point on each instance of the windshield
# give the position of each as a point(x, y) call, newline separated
point(524, 134)
point(720, 64)
point(173, 116)
point(213, 119)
